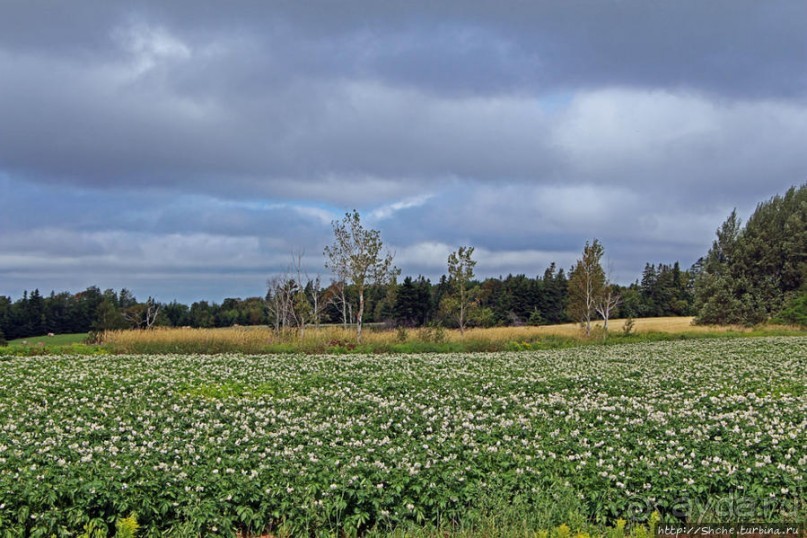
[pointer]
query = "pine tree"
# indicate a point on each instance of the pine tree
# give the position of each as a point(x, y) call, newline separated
point(751, 274)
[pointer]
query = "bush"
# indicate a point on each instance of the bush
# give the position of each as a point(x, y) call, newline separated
point(627, 328)
point(3, 341)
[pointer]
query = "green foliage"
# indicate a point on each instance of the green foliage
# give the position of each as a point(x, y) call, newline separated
point(355, 445)
point(460, 274)
point(95, 529)
point(127, 527)
point(356, 256)
point(795, 310)
point(482, 317)
point(3, 341)
point(751, 271)
point(124, 528)
point(231, 389)
point(108, 317)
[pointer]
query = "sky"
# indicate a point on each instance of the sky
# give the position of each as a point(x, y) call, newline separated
point(186, 149)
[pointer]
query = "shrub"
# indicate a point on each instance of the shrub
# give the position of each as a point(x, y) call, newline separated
point(627, 328)
point(536, 318)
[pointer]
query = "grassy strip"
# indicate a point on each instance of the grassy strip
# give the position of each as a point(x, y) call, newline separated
point(329, 341)
point(56, 340)
point(336, 340)
point(60, 344)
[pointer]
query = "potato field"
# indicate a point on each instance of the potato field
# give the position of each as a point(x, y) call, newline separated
point(307, 445)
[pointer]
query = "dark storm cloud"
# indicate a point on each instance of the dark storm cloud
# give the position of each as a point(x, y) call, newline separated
point(741, 47)
point(253, 100)
point(205, 139)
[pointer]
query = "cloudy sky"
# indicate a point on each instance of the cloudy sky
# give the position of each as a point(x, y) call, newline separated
point(184, 149)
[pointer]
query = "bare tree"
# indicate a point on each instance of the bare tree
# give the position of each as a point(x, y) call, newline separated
point(320, 298)
point(300, 308)
point(355, 255)
point(276, 302)
point(606, 303)
point(294, 299)
point(144, 315)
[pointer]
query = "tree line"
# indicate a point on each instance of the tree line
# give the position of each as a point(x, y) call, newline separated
point(752, 274)
point(410, 302)
point(758, 272)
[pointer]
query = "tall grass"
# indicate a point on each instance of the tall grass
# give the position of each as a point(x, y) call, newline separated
point(336, 339)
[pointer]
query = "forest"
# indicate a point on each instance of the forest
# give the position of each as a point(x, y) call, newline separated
point(513, 300)
point(752, 274)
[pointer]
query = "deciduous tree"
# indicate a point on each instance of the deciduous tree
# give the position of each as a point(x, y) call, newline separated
point(460, 273)
point(356, 255)
point(586, 285)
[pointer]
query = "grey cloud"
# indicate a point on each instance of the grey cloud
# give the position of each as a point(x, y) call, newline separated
point(533, 226)
point(737, 47)
point(158, 140)
point(294, 100)
point(687, 147)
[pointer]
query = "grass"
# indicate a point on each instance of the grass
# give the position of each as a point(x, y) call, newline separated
point(339, 340)
point(60, 344)
point(56, 340)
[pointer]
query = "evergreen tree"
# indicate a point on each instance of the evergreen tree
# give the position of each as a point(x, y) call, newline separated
point(719, 301)
point(108, 317)
point(556, 294)
point(5, 310)
point(751, 274)
point(177, 314)
point(412, 303)
point(647, 290)
point(202, 314)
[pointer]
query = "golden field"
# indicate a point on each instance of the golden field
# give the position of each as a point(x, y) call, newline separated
point(337, 338)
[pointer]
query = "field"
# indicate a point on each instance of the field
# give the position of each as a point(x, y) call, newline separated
point(56, 340)
point(305, 444)
point(335, 339)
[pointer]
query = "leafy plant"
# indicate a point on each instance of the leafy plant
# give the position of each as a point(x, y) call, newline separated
point(127, 527)
point(468, 444)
